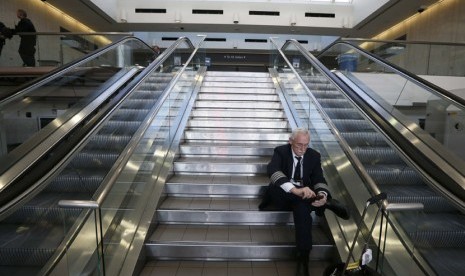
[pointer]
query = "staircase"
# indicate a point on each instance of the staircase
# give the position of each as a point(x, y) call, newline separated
point(210, 212)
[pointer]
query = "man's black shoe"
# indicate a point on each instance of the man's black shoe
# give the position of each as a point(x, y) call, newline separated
point(302, 263)
point(338, 208)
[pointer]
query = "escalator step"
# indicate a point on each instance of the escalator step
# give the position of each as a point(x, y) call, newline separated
point(25, 256)
point(94, 160)
point(378, 155)
point(146, 94)
point(393, 175)
point(335, 103)
point(70, 181)
point(36, 214)
point(117, 128)
point(431, 200)
point(343, 113)
point(346, 125)
point(364, 139)
point(130, 114)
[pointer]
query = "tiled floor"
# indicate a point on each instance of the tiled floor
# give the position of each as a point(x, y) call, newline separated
point(219, 268)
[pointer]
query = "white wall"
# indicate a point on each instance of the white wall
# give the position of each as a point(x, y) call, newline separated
point(45, 19)
point(183, 10)
point(237, 40)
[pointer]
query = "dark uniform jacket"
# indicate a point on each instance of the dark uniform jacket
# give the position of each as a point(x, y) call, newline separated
point(25, 26)
point(281, 166)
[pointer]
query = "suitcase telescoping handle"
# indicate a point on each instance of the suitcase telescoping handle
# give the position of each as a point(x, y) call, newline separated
point(377, 198)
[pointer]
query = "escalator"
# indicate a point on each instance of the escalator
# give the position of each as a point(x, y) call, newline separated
point(101, 103)
point(390, 148)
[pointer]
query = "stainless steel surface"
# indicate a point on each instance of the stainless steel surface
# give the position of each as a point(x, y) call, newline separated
point(404, 207)
point(78, 204)
point(211, 208)
point(402, 180)
point(42, 227)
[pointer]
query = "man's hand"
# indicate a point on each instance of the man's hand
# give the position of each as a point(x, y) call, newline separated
point(320, 201)
point(304, 192)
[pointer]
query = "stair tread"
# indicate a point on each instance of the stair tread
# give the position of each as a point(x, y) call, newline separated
point(219, 179)
point(222, 160)
point(210, 204)
point(232, 234)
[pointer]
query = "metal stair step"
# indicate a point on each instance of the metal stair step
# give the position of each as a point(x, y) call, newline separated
point(237, 97)
point(231, 84)
point(216, 185)
point(238, 105)
point(207, 149)
point(239, 90)
point(241, 242)
point(243, 79)
point(232, 137)
point(244, 166)
point(237, 114)
point(223, 217)
point(235, 73)
point(260, 124)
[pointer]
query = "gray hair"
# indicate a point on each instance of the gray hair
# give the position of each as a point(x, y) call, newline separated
point(299, 130)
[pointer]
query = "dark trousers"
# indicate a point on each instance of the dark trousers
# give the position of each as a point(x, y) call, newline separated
point(301, 211)
point(27, 55)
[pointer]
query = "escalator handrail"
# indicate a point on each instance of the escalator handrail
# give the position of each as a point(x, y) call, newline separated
point(373, 188)
point(430, 87)
point(59, 71)
point(109, 182)
point(412, 151)
point(26, 162)
point(358, 166)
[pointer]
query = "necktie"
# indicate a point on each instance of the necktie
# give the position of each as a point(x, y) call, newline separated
point(297, 176)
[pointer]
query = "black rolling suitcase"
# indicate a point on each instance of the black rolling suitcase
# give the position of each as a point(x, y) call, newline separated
point(359, 267)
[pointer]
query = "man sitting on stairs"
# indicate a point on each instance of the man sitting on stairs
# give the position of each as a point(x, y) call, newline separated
point(298, 184)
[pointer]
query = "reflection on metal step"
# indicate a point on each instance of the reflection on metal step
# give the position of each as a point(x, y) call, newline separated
point(212, 217)
point(238, 124)
point(238, 74)
point(257, 114)
point(238, 105)
point(234, 97)
point(236, 79)
point(222, 150)
point(238, 90)
point(222, 166)
point(233, 137)
point(238, 84)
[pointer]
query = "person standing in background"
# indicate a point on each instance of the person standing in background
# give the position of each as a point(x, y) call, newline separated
point(27, 45)
point(5, 33)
